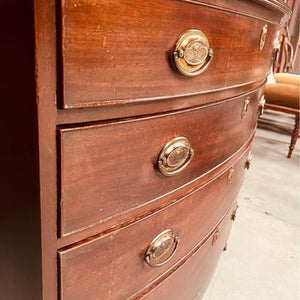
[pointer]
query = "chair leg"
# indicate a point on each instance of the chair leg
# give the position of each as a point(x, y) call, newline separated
point(295, 135)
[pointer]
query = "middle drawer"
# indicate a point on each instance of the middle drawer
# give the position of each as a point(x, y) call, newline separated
point(111, 168)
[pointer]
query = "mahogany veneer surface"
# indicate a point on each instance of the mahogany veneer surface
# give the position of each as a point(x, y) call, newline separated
point(199, 269)
point(84, 266)
point(119, 51)
point(110, 168)
point(91, 96)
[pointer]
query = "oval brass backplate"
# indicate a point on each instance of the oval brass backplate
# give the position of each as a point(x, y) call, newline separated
point(175, 156)
point(192, 53)
point(162, 248)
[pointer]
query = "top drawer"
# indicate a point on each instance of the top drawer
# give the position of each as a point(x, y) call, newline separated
point(116, 52)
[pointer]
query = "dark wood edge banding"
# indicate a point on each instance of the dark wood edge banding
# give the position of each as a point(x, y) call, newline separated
point(273, 4)
point(111, 224)
point(98, 113)
point(97, 124)
point(107, 103)
point(60, 79)
point(45, 76)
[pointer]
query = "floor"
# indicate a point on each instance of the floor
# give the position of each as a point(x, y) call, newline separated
point(262, 257)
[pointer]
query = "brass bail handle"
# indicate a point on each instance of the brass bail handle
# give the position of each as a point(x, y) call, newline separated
point(175, 156)
point(192, 53)
point(162, 248)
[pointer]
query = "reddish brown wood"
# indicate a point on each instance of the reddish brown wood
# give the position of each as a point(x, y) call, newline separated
point(105, 62)
point(87, 274)
point(45, 75)
point(198, 269)
point(141, 212)
point(92, 114)
point(276, 12)
point(32, 85)
point(108, 169)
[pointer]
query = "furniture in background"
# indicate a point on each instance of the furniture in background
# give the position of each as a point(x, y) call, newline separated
point(128, 129)
point(283, 96)
point(287, 59)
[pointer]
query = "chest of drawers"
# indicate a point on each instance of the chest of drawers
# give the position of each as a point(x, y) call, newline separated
point(134, 121)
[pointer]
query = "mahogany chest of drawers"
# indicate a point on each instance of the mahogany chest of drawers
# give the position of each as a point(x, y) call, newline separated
point(128, 131)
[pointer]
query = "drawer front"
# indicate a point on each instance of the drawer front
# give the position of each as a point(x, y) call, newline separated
point(192, 278)
point(104, 268)
point(111, 168)
point(116, 52)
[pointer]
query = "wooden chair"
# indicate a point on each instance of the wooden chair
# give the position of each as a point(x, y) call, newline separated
point(283, 96)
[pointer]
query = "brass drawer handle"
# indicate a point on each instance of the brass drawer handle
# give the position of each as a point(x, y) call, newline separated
point(192, 53)
point(175, 156)
point(162, 248)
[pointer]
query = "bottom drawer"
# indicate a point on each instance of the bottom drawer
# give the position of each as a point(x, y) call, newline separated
point(190, 281)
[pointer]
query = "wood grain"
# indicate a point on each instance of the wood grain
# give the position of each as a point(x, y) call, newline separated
point(55, 55)
point(107, 63)
point(45, 76)
point(94, 114)
point(86, 272)
point(199, 269)
point(146, 210)
point(273, 11)
point(109, 169)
